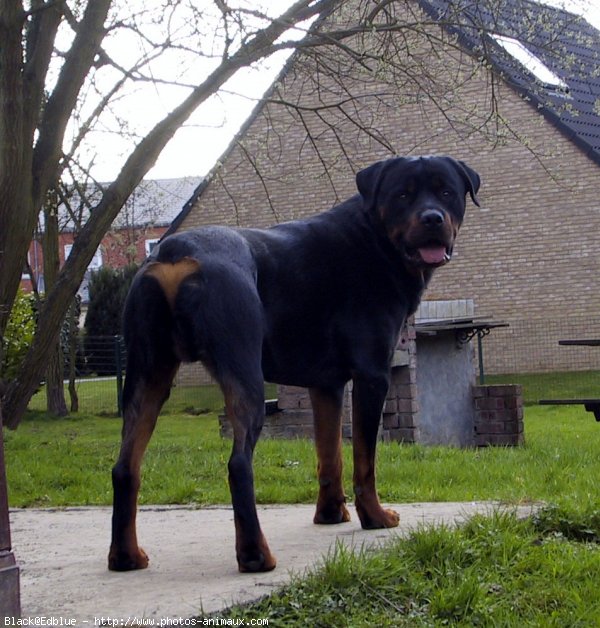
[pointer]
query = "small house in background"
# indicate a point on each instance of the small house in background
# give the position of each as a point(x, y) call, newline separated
point(530, 255)
point(143, 220)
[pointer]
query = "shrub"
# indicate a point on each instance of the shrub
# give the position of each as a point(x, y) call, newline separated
point(19, 334)
point(108, 288)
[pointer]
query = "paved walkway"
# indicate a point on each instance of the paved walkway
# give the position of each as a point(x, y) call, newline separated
point(62, 555)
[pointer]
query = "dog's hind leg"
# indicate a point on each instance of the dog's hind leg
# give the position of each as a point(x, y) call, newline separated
point(233, 325)
point(139, 420)
point(327, 410)
point(151, 367)
point(245, 408)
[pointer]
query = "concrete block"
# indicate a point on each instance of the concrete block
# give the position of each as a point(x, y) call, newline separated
point(479, 392)
point(504, 390)
point(407, 405)
point(404, 375)
point(400, 358)
point(402, 435)
point(406, 420)
point(390, 406)
point(499, 440)
point(390, 421)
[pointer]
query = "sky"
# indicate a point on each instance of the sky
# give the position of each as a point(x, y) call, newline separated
point(198, 145)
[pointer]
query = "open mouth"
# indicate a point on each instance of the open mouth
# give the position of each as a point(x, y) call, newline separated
point(433, 253)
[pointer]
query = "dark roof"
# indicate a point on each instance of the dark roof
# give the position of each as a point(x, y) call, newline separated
point(567, 44)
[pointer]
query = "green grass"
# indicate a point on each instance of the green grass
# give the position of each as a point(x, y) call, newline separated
point(559, 385)
point(99, 396)
point(61, 462)
point(492, 572)
point(495, 571)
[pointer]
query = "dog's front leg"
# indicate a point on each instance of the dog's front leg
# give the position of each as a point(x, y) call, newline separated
point(327, 410)
point(368, 396)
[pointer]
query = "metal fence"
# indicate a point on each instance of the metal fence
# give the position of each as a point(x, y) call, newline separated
point(98, 373)
point(532, 346)
point(526, 352)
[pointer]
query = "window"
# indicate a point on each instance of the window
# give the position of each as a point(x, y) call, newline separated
point(26, 267)
point(96, 262)
point(532, 63)
point(150, 244)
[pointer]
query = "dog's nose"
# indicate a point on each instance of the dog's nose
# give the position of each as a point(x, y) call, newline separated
point(432, 218)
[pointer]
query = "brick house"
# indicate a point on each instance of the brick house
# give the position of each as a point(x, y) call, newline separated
point(531, 254)
point(143, 220)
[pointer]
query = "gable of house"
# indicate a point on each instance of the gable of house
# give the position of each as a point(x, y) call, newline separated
point(530, 255)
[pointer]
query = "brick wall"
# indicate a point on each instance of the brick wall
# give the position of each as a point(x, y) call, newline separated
point(400, 421)
point(499, 415)
point(531, 252)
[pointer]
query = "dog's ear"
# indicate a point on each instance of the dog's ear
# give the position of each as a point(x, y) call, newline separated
point(471, 178)
point(368, 181)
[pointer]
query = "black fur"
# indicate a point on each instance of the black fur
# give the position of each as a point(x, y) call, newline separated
point(312, 303)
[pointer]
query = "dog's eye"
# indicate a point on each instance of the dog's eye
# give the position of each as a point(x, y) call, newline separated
point(446, 193)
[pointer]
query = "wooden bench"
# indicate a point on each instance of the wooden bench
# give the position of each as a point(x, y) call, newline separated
point(591, 405)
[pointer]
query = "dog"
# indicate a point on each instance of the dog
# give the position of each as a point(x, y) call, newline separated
point(312, 303)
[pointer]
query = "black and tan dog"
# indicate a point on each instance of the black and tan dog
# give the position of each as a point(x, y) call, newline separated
point(312, 303)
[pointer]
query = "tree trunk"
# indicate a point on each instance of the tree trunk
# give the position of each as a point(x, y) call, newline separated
point(15, 160)
point(10, 603)
point(55, 390)
point(73, 318)
point(137, 165)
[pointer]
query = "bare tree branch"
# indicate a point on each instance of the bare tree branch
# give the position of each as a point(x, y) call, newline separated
point(364, 59)
point(64, 96)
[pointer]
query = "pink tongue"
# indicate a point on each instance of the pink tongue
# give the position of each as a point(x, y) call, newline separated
point(433, 254)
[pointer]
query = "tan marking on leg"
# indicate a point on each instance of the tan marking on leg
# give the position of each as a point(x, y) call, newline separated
point(170, 276)
point(140, 419)
point(366, 500)
point(252, 550)
point(327, 411)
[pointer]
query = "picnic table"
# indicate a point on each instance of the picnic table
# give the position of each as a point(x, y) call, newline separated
point(585, 342)
point(591, 405)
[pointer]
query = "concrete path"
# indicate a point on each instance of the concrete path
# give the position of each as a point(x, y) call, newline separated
point(62, 555)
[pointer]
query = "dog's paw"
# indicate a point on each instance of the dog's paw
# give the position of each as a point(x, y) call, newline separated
point(331, 516)
point(127, 561)
point(262, 562)
point(380, 518)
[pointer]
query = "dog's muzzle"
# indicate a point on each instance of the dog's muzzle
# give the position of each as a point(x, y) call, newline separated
point(430, 240)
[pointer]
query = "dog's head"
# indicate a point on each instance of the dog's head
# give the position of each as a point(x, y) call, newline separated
point(420, 204)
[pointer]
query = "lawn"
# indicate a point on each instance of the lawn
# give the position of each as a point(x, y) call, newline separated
point(99, 396)
point(67, 462)
point(492, 572)
point(554, 385)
